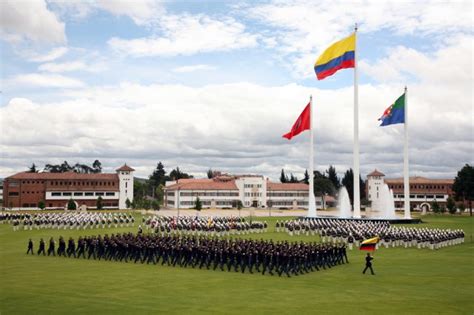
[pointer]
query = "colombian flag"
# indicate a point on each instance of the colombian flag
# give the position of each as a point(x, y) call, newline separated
point(340, 55)
point(369, 244)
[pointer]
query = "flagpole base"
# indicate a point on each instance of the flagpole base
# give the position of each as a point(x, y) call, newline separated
point(311, 207)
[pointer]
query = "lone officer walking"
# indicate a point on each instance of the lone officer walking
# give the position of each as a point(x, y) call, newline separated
point(368, 264)
point(30, 247)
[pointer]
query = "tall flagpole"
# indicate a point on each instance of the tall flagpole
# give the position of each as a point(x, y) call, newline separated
point(406, 177)
point(311, 199)
point(356, 134)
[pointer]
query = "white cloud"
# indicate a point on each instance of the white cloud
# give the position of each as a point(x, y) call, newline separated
point(44, 80)
point(53, 54)
point(188, 35)
point(142, 12)
point(236, 128)
point(304, 29)
point(436, 68)
point(71, 66)
point(30, 20)
point(193, 68)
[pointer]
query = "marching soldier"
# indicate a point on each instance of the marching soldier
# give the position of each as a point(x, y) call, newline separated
point(30, 247)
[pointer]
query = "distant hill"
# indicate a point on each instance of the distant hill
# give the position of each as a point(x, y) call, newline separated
point(140, 180)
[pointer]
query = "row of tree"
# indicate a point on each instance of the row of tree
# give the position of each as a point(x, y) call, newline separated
point(148, 193)
point(451, 207)
point(95, 168)
point(328, 183)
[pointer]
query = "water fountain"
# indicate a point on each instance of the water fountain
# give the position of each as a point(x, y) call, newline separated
point(387, 203)
point(344, 203)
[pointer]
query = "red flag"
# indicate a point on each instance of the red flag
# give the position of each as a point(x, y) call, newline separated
point(302, 123)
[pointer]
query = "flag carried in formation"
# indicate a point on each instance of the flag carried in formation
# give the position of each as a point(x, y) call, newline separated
point(340, 55)
point(395, 113)
point(302, 123)
point(369, 244)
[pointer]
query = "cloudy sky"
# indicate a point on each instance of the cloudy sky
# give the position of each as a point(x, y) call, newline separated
point(215, 84)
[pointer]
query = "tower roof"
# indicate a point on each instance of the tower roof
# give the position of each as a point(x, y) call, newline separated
point(125, 168)
point(375, 173)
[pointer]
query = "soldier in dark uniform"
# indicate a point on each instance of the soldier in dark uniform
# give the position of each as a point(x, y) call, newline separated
point(30, 247)
point(368, 264)
point(71, 247)
point(81, 244)
point(41, 247)
point(62, 247)
point(51, 248)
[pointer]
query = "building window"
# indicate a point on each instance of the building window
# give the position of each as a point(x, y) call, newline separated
point(88, 194)
point(67, 194)
point(13, 193)
point(126, 184)
point(110, 194)
point(99, 193)
point(55, 194)
point(78, 194)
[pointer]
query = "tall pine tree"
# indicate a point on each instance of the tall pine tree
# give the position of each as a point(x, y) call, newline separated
point(348, 182)
point(158, 176)
point(283, 177)
point(306, 177)
point(332, 176)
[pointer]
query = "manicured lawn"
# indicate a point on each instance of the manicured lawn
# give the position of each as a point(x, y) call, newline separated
point(408, 281)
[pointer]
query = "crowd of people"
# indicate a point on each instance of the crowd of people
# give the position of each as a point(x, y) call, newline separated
point(352, 232)
point(239, 255)
point(208, 226)
point(67, 220)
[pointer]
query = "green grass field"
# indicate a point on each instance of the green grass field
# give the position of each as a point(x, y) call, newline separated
point(408, 281)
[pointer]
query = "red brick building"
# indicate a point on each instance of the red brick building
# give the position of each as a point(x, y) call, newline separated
point(423, 191)
point(26, 190)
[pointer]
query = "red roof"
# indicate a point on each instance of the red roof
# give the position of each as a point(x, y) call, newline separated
point(125, 168)
point(420, 180)
point(202, 184)
point(376, 173)
point(62, 176)
point(287, 186)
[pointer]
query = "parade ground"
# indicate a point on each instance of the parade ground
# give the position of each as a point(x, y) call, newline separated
point(409, 281)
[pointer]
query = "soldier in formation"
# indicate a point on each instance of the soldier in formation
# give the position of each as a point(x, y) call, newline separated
point(238, 255)
point(207, 226)
point(353, 232)
point(65, 221)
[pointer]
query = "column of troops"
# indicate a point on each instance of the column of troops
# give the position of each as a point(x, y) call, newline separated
point(89, 220)
point(352, 232)
point(238, 255)
point(208, 226)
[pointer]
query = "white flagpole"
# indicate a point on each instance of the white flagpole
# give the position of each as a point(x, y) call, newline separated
point(311, 199)
point(356, 134)
point(406, 177)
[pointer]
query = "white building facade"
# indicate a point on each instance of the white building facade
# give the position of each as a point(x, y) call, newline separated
point(423, 191)
point(375, 181)
point(253, 191)
point(125, 175)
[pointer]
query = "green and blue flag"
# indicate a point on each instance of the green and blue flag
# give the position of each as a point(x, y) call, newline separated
point(395, 113)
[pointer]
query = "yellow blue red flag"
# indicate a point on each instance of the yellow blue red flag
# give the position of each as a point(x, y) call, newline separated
point(340, 55)
point(369, 244)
